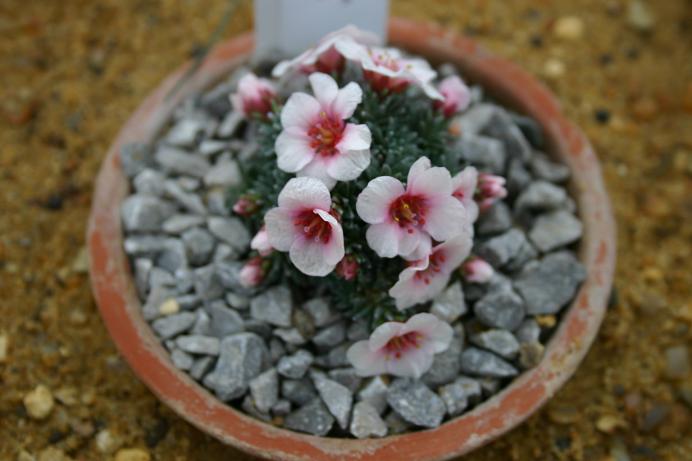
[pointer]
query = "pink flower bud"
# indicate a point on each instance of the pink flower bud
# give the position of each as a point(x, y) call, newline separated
point(347, 268)
point(252, 272)
point(254, 95)
point(260, 242)
point(456, 96)
point(477, 270)
point(490, 189)
point(245, 206)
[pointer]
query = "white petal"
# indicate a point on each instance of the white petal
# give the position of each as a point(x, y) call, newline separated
point(383, 238)
point(293, 150)
point(383, 333)
point(366, 362)
point(318, 169)
point(300, 193)
point(300, 111)
point(446, 218)
point(412, 364)
point(347, 99)
point(374, 201)
point(414, 245)
point(355, 137)
point(435, 181)
point(406, 290)
point(352, 50)
point(456, 250)
point(465, 181)
point(308, 256)
point(324, 88)
point(280, 229)
point(334, 249)
point(419, 167)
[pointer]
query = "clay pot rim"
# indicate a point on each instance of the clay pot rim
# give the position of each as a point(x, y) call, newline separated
point(114, 291)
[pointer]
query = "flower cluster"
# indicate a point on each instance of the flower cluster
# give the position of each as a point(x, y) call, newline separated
point(355, 185)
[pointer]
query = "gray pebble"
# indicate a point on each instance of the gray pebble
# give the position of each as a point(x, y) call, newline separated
point(500, 309)
point(501, 342)
point(290, 336)
point(450, 304)
point(160, 277)
point(511, 250)
point(495, 220)
point(347, 377)
point(541, 195)
point(321, 312)
point(241, 358)
point(518, 177)
point(366, 422)
point(276, 350)
point(144, 213)
point(282, 407)
point(445, 366)
point(209, 147)
point(358, 330)
point(528, 331)
point(501, 126)
point(555, 229)
point(298, 391)
point(202, 324)
point(144, 245)
point(416, 403)
point(198, 344)
point(237, 301)
point(199, 245)
point(207, 283)
point(530, 128)
point(224, 321)
point(230, 124)
point(201, 367)
point(330, 336)
point(273, 306)
point(336, 396)
point(188, 200)
point(474, 120)
point(225, 173)
point(149, 182)
point(530, 354)
point(182, 360)
point(482, 363)
point(396, 424)
point(185, 132)
point(487, 153)
point(259, 327)
point(455, 398)
point(248, 406)
point(228, 274)
point(134, 158)
point(142, 268)
point(174, 257)
point(546, 169)
point(177, 161)
point(172, 325)
point(179, 223)
point(231, 231)
point(313, 418)
point(295, 366)
point(216, 201)
point(375, 392)
point(264, 389)
point(548, 285)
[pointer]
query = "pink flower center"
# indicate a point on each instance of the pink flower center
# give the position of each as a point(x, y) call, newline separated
point(385, 60)
point(408, 211)
point(435, 262)
point(325, 134)
point(313, 226)
point(400, 344)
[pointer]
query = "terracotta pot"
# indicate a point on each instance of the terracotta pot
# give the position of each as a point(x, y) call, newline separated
point(114, 290)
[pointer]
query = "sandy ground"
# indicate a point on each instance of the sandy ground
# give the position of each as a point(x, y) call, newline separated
point(72, 71)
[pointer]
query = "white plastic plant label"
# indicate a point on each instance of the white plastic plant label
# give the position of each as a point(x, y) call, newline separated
point(285, 28)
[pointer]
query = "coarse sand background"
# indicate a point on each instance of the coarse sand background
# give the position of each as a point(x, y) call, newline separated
point(72, 71)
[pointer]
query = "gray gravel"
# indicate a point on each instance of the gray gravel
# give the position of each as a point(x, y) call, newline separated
point(416, 403)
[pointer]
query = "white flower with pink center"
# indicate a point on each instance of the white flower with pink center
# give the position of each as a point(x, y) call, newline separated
point(456, 96)
point(404, 220)
point(316, 141)
point(464, 189)
point(260, 242)
point(426, 278)
point(388, 69)
point(304, 225)
point(401, 349)
point(325, 57)
point(477, 270)
point(254, 95)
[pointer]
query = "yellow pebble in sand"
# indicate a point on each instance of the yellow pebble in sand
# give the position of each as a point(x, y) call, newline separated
point(39, 402)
